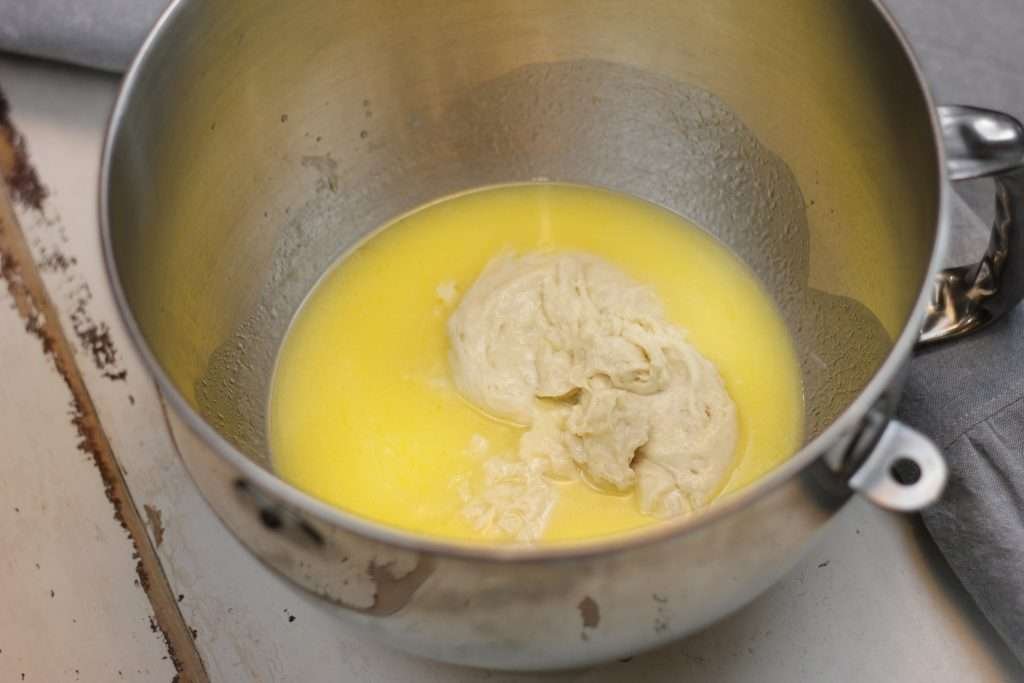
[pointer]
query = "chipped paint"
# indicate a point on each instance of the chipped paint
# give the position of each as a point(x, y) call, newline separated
point(590, 613)
point(94, 337)
point(156, 525)
point(17, 170)
point(25, 285)
point(29, 194)
point(49, 243)
point(54, 261)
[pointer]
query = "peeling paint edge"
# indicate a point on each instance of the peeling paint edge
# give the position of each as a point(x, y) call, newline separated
point(17, 170)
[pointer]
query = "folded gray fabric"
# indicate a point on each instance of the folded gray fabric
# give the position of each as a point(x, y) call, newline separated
point(968, 395)
point(103, 34)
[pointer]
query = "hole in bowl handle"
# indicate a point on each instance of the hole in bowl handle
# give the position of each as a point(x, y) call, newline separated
point(905, 471)
point(982, 143)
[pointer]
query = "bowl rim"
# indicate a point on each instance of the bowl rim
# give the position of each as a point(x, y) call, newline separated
point(848, 420)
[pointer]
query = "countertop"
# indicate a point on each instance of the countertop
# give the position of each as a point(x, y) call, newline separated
point(114, 568)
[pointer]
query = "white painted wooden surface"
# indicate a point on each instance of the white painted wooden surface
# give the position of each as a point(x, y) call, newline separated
point(871, 602)
point(70, 606)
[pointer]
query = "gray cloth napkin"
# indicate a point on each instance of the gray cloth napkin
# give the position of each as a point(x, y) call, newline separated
point(103, 34)
point(968, 396)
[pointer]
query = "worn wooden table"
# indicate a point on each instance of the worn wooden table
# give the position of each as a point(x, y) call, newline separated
point(113, 568)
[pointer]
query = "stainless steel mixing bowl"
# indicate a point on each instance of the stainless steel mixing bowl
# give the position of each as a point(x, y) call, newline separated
point(255, 140)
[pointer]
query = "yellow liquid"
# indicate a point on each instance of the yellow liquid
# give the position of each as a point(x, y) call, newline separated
point(364, 416)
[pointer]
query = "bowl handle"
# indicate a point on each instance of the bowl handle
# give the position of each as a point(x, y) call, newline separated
point(904, 472)
point(982, 143)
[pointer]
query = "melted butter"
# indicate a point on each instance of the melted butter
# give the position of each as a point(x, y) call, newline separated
point(363, 413)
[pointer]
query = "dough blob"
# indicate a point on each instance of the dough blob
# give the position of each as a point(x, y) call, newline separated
point(574, 350)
